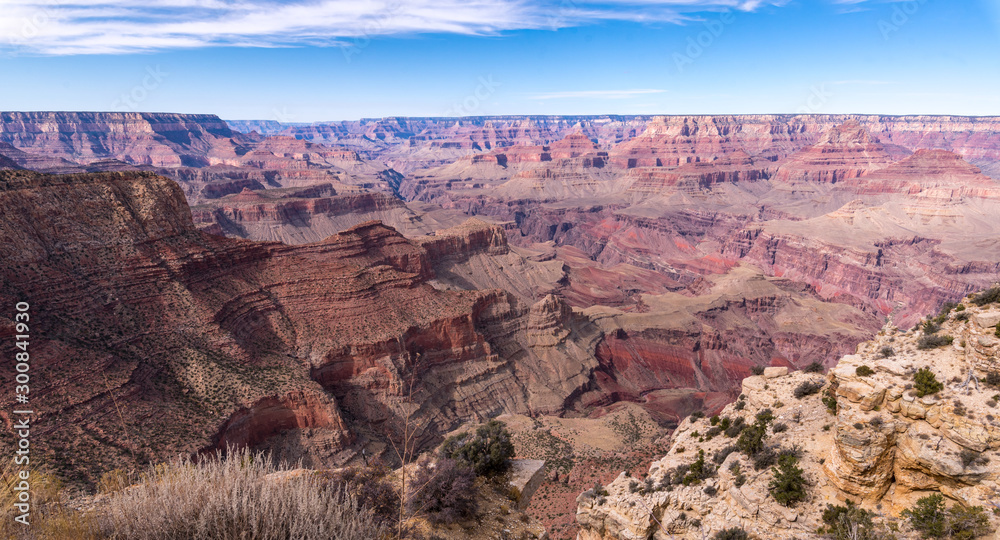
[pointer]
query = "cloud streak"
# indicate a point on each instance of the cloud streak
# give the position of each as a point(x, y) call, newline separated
point(596, 94)
point(70, 27)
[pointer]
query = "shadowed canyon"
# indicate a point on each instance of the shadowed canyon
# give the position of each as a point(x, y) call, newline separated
point(313, 289)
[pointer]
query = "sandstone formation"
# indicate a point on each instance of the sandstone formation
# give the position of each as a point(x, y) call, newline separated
point(310, 214)
point(884, 447)
point(847, 151)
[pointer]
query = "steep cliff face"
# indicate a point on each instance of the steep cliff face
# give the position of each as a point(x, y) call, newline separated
point(310, 214)
point(160, 140)
point(671, 139)
point(199, 151)
point(183, 330)
point(881, 445)
point(853, 217)
point(847, 151)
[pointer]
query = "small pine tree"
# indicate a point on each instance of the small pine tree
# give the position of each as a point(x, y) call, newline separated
point(928, 516)
point(967, 523)
point(926, 383)
point(788, 485)
point(751, 439)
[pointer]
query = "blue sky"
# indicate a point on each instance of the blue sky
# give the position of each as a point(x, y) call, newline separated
point(314, 60)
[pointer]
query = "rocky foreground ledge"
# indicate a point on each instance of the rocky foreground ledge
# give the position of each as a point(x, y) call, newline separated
point(861, 433)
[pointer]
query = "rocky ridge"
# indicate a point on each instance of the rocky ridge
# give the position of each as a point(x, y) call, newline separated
point(881, 445)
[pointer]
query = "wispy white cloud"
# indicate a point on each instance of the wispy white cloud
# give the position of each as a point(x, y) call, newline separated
point(67, 27)
point(861, 82)
point(596, 94)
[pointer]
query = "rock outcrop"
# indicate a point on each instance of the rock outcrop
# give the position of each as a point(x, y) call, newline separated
point(862, 433)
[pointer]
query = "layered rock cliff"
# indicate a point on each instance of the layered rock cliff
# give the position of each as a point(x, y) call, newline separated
point(154, 338)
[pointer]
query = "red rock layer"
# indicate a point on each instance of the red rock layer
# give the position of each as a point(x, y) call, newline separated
point(846, 152)
point(734, 168)
point(931, 173)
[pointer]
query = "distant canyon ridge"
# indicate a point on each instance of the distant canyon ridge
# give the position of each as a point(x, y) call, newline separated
point(310, 287)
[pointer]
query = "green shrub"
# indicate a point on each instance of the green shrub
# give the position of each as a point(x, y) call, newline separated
point(930, 327)
point(928, 516)
point(849, 523)
point(993, 379)
point(814, 367)
point(987, 297)
point(807, 388)
point(698, 470)
point(714, 420)
point(779, 427)
point(831, 402)
point(488, 452)
point(751, 440)
point(926, 383)
point(735, 533)
point(864, 371)
point(967, 523)
point(735, 428)
point(697, 415)
point(788, 486)
point(765, 458)
point(960, 307)
point(933, 342)
point(757, 370)
point(886, 352)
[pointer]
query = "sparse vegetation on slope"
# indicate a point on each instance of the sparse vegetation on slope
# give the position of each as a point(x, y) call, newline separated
point(488, 452)
point(925, 383)
point(989, 296)
point(931, 519)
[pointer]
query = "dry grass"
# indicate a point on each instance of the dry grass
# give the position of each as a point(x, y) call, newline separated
point(49, 518)
point(238, 497)
point(233, 498)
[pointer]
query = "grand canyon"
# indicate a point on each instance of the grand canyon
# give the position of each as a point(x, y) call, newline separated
point(323, 291)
